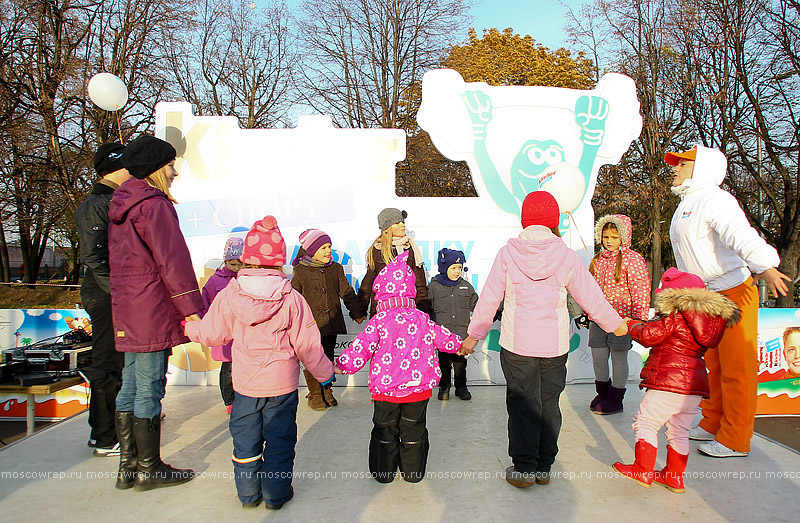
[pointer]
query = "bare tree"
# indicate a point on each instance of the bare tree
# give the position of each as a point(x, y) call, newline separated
point(234, 59)
point(747, 88)
point(638, 41)
point(361, 55)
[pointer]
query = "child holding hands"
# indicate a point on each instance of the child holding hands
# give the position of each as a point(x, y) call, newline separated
point(690, 319)
point(272, 329)
point(533, 274)
point(400, 340)
point(215, 283)
point(452, 299)
point(323, 284)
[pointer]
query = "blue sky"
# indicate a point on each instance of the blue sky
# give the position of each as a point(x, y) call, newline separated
point(542, 19)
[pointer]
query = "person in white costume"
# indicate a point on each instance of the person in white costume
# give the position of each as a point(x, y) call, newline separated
point(712, 238)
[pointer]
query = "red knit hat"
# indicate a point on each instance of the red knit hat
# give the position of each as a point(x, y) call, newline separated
point(264, 244)
point(675, 279)
point(540, 208)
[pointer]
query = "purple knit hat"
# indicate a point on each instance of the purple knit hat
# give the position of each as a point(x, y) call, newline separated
point(233, 248)
point(312, 239)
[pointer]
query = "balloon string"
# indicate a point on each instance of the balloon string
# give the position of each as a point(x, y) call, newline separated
point(579, 233)
point(119, 128)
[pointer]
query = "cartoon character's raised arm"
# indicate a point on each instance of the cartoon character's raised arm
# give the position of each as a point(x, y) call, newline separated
point(479, 106)
point(590, 115)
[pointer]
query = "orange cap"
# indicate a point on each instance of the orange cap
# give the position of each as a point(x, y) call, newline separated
point(674, 158)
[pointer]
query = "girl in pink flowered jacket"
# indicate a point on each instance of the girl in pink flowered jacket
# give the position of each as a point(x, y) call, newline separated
point(400, 340)
point(622, 274)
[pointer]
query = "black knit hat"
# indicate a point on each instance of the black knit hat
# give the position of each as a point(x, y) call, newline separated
point(147, 154)
point(108, 158)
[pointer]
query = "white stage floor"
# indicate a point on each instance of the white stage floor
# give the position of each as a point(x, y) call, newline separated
point(52, 475)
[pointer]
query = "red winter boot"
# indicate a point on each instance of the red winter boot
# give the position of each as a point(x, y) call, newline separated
point(671, 476)
point(642, 469)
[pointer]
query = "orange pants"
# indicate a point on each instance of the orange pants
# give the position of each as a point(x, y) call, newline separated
point(730, 410)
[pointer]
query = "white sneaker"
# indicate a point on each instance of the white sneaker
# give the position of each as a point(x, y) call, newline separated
point(700, 434)
point(715, 449)
point(107, 452)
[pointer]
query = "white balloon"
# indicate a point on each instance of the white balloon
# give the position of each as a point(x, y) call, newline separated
point(566, 183)
point(108, 92)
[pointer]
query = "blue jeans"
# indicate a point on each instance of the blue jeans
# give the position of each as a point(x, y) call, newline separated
point(144, 382)
point(264, 434)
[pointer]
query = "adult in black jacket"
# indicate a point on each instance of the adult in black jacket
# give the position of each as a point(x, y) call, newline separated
point(105, 375)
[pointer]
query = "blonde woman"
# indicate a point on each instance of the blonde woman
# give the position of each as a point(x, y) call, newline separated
point(153, 288)
point(392, 242)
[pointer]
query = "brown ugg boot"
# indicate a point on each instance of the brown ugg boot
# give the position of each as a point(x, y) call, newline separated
point(329, 399)
point(315, 399)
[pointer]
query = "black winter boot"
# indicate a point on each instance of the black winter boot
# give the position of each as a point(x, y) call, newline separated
point(154, 473)
point(613, 402)
point(602, 392)
point(127, 450)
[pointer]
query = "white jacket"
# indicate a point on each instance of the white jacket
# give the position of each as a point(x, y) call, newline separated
point(710, 234)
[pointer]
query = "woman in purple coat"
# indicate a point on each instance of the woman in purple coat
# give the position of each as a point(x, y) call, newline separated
point(153, 288)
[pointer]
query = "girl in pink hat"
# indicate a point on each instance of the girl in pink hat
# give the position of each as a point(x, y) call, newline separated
point(273, 330)
point(401, 342)
point(690, 319)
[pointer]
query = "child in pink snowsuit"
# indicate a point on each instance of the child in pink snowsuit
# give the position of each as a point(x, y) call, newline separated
point(400, 340)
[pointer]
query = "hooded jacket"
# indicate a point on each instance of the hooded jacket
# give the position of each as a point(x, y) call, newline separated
point(533, 274)
point(710, 234)
point(215, 283)
point(153, 286)
point(272, 329)
point(365, 294)
point(688, 322)
point(400, 340)
point(630, 296)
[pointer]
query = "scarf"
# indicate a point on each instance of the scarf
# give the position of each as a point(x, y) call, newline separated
point(444, 280)
point(683, 188)
point(402, 244)
point(309, 261)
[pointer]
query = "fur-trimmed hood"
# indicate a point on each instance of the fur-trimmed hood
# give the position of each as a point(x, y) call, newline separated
point(670, 301)
point(621, 222)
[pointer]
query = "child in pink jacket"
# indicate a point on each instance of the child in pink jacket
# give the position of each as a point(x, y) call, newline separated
point(272, 329)
point(400, 340)
point(533, 273)
point(622, 274)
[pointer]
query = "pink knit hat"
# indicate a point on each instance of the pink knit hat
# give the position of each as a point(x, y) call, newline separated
point(675, 279)
point(312, 239)
point(396, 280)
point(264, 244)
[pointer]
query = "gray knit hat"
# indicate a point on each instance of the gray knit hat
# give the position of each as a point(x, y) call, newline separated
point(389, 216)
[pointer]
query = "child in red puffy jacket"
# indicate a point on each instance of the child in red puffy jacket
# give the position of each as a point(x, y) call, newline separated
point(689, 320)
